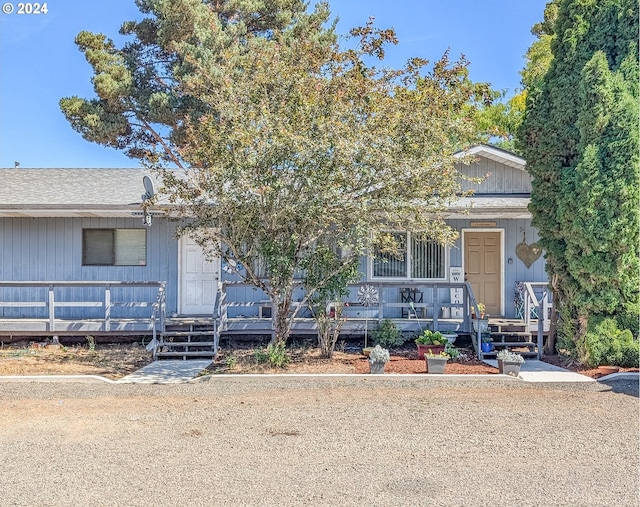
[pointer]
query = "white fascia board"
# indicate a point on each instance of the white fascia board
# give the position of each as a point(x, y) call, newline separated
point(505, 157)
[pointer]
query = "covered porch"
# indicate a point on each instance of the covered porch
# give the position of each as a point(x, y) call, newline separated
point(64, 308)
point(413, 307)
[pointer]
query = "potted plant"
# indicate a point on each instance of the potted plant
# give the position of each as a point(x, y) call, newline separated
point(378, 357)
point(509, 363)
point(436, 363)
point(430, 341)
point(487, 345)
point(450, 336)
point(481, 309)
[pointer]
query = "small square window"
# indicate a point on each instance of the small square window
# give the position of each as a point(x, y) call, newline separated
point(114, 247)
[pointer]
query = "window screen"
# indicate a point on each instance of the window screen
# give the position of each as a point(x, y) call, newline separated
point(388, 265)
point(427, 259)
point(114, 247)
point(418, 259)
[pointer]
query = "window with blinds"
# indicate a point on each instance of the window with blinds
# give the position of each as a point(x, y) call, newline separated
point(114, 247)
point(416, 259)
point(391, 264)
point(427, 259)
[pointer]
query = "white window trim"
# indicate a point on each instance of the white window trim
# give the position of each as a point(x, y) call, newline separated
point(447, 259)
point(115, 245)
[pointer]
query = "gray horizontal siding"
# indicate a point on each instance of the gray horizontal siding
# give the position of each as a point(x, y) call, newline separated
point(39, 249)
point(497, 178)
point(51, 249)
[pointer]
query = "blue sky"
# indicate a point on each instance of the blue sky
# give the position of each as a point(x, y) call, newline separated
point(39, 62)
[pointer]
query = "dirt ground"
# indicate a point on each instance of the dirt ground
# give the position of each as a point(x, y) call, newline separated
point(116, 361)
point(319, 441)
point(109, 361)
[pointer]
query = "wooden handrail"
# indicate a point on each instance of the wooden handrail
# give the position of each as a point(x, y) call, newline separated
point(542, 306)
point(434, 304)
point(51, 304)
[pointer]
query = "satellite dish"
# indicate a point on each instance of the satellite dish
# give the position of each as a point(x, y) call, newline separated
point(148, 186)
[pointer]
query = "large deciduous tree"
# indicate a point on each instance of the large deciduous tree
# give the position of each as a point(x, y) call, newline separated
point(283, 150)
point(580, 140)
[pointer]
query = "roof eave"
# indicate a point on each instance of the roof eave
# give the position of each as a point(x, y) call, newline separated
point(497, 154)
point(44, 211)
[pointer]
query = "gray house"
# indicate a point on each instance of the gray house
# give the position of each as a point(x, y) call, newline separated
point(76, 257)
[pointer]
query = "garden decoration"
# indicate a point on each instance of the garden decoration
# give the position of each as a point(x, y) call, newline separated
point(367, 296)
point(487, 345)
point(528, 253)
point(430, 342)
point(232, 267)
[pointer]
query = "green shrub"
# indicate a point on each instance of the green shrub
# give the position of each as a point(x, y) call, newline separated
point(453, 352)
point(605, 343)
point(387, 334)
point(231, 361)
point(630, 354)
point(275, 354)
point(628, 319)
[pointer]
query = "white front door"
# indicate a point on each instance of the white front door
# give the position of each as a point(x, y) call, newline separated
point(198, 279)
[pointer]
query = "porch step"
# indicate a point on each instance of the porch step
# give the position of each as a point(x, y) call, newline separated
point(184, 355)
point(514, 344)
point(511, 333)
point(186, 344)
point(185, 350)
point(188, 333)
point(507, 334)
point(187, 339)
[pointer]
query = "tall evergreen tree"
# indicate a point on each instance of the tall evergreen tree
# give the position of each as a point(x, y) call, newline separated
point(580, 140)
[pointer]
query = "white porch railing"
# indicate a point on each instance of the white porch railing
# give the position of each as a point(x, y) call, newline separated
point(538, 303)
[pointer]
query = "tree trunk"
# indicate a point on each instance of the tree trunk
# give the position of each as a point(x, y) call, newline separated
point(280, 319)
point(582, 324)
point(550, 346)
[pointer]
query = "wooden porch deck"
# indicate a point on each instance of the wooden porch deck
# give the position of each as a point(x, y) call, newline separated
point(107, 298)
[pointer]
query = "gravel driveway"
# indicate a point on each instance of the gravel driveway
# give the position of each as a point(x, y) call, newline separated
point(320, 441)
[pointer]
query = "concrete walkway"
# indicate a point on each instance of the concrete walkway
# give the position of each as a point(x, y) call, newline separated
point(533, 370)
point(167, 372)
point(178, 371)
point(171, 372)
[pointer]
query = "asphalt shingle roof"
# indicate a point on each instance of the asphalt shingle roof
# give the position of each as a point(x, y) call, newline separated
point(71, 189)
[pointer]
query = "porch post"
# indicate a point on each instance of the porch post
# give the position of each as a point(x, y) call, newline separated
point(107, 308)
point(52, 309)
point(540, 334)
